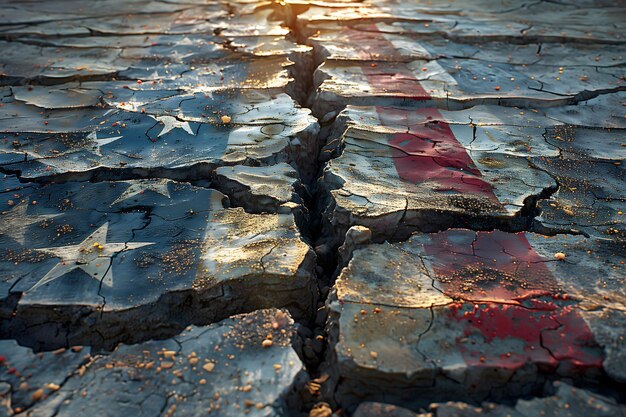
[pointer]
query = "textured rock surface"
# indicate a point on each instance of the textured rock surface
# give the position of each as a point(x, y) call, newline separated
point(567, 400)
point(454, 84)
point(396, 183)
point(443, 134)
point(262, 189)
point(90, 260)
point(158, 93)
point(432, 190)
point(485, 166)
point(223, 369)
point(164, 134)
point(473, 314)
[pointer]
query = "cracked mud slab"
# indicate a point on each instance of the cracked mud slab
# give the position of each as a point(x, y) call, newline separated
point(599, 113)
point(398, 170)
point(398, 183)
point(90, 262)
point(141, 18)
point(149, 89)
point(160, 134)
point(371, 43)
point(172, 45)
point(262, 189)
point(567, 400)
point(479, 21)
point(394, 54)
point(456, 84)
point(223, 369)
point(472, 316)
point(592, 185)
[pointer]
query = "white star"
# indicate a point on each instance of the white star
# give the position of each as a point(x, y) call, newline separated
point(170, 123)
point(138, 187)
point(92, 255)
point(177, 57)
point(15, 223)
point(101, 142)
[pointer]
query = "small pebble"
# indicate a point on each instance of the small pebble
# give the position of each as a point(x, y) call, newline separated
point(53, 387)
point(37, 395)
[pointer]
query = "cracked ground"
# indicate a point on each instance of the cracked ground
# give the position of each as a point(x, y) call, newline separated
point(312, 208)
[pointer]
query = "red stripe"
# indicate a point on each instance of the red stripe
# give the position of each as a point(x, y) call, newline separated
point(509, 272)
point(398, 82)
point(512, 296)
point(433, 155)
